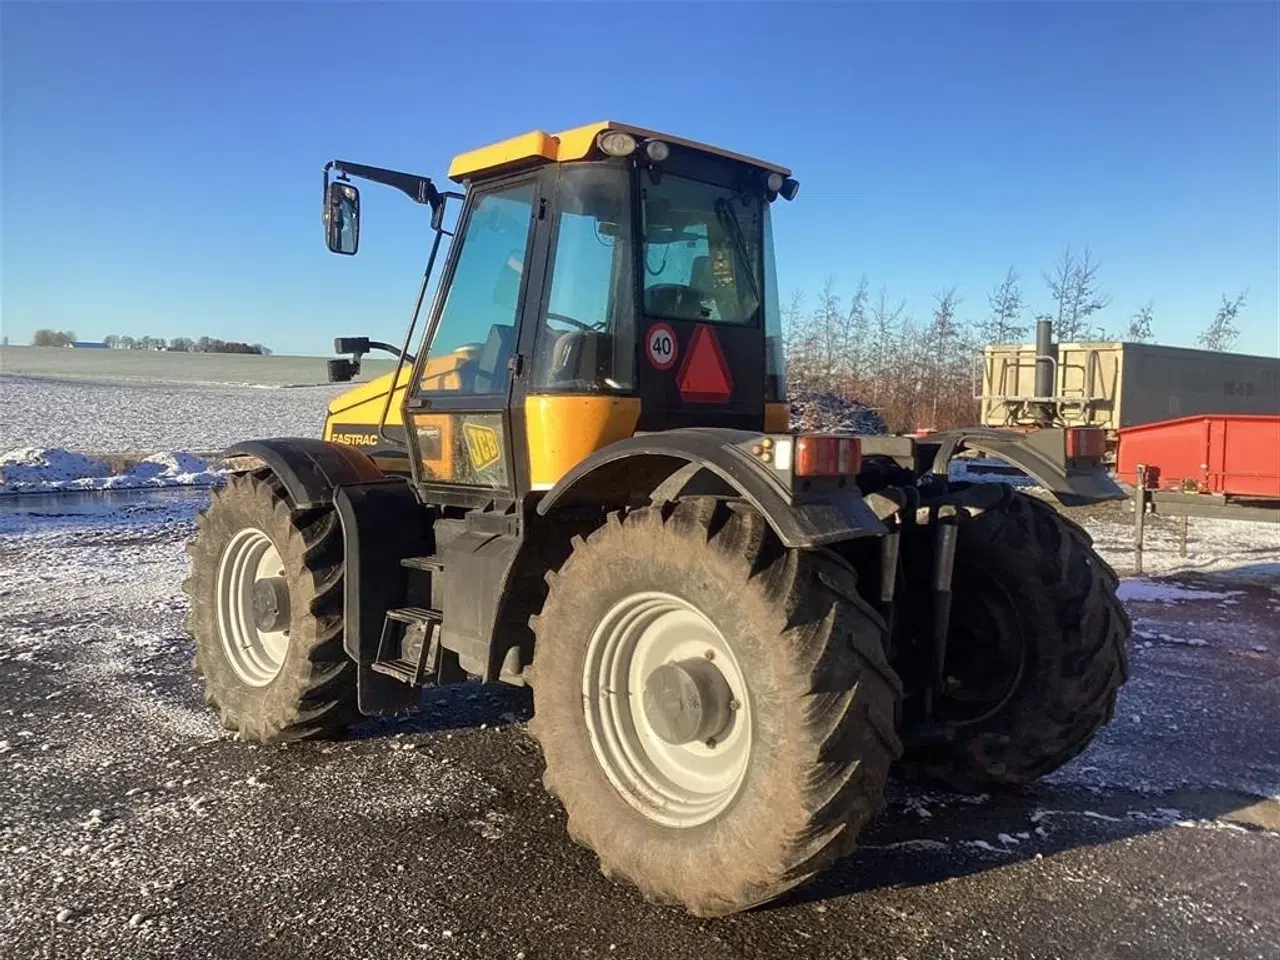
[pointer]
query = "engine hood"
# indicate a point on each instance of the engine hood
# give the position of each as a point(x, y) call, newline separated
point(365, 392)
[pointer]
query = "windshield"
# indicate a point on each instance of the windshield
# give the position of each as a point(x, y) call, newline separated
point(701, 253)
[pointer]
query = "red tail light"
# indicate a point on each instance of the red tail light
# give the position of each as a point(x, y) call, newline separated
point(818, 455)
point(1086, 442)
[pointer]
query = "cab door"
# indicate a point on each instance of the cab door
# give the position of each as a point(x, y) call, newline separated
point(458, 405)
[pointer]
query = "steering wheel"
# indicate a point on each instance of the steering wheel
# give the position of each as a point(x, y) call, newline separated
point(684, 302)
point(572, 322)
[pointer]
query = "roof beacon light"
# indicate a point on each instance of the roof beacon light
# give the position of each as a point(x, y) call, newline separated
point(790, 187)
point(774, 182)
point(657, 151)
point(617, 143)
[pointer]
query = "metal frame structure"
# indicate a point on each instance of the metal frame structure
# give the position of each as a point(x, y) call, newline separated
point(1185, 505)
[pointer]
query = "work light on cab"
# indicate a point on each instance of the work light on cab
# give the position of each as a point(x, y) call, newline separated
point(657, 151)
point(617, 143)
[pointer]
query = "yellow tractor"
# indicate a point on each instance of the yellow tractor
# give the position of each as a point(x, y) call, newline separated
point(580, 477)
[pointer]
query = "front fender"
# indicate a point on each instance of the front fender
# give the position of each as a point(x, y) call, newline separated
point(310, 469)
point(710, 461)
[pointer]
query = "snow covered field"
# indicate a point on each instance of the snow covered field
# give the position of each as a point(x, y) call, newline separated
point(101, 416)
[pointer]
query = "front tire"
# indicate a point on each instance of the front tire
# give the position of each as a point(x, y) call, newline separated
point(266, 614)
point(1036, 649)
point(779, 787)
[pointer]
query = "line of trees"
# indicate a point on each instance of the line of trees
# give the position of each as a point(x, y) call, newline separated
point(65, 338)
point(185, 345)
point(918, 371)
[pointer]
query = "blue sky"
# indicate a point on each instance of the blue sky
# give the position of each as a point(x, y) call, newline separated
point(161, 162)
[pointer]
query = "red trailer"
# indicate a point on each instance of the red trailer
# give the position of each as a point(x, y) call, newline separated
point(1233, 455)
point(1214, 465)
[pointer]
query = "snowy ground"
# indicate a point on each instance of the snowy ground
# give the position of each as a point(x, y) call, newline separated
point(132, 826)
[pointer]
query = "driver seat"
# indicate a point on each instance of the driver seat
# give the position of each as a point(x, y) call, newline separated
point(574, 357)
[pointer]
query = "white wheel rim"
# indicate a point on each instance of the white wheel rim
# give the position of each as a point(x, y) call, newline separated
point(255, 655)
point(676, 785)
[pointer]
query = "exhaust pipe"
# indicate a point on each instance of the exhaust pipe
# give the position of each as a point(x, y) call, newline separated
point(1046, 358)
point(1044, 361)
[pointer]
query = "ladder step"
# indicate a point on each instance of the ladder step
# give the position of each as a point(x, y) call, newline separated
point(414, 615)
point(429, 564)
point(400, 669)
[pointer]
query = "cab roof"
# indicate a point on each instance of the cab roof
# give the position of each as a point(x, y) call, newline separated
point(577, 144)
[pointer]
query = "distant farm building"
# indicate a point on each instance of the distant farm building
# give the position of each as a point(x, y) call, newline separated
point(87, 345)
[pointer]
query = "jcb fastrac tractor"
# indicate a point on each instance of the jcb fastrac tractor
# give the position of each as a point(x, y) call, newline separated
point(581, 478)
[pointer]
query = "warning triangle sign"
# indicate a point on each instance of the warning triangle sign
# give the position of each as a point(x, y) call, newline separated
point(704, 376)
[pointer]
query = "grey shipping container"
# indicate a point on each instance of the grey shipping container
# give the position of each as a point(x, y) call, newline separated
point(1113, 384)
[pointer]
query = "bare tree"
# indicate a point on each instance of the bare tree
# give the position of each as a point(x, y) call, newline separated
point(886, 322)
point(1222, 334)
point(1005, 301)
point(1073, 285)
point(825, 345)
point(1139, 330)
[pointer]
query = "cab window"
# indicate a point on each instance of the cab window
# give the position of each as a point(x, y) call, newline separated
point(701, 256)
point(476, 335)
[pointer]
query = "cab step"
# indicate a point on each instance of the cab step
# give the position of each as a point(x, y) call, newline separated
point(409, 648)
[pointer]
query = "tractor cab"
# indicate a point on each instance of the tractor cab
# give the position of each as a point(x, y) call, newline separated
point(601, 282)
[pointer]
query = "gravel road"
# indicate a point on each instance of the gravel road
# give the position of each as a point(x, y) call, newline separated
point(132, 826)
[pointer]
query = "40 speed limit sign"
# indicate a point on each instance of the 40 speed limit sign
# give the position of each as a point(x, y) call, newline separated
point(661, 346)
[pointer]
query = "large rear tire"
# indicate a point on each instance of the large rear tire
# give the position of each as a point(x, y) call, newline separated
point(266, 614)
point(1036, 650)
point(772, 795)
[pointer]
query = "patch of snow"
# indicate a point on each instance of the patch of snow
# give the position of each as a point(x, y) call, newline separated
point(989, 470)
point(983, 845)
point(1235, 551)
point(1147, 591)
point(54, 470)
point(44, 468)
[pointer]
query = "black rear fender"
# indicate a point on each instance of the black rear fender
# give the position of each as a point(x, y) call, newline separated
point(658, 467)
point(1040, 454)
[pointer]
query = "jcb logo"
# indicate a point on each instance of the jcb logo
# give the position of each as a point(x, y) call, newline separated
point(355, 439)
point(482, 444)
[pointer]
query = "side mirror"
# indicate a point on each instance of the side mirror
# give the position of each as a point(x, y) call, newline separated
point(342, 370)
point(342, 218)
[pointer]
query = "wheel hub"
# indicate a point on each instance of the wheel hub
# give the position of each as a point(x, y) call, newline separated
point(271, 603)
point(687, 701)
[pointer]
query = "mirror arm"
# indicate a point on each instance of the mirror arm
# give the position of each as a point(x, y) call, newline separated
point(393, 350)
point(417, 188)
